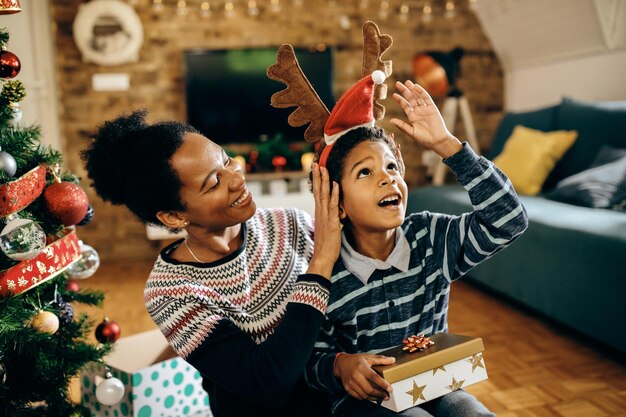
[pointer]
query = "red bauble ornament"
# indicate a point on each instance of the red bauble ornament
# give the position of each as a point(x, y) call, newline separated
point(67, 202)
point(108, 331)
point(10, 64)
point(72, 285)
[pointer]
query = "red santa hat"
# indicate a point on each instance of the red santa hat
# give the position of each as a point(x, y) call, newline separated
point(353, 110)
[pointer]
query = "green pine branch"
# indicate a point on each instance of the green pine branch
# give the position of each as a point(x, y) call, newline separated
point(39, 366)
point(4, 38)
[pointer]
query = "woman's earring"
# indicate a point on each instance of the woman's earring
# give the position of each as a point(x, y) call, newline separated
point(186, 223)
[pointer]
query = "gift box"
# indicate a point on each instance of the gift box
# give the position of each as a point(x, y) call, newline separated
point(156, 381)
point(453, 362)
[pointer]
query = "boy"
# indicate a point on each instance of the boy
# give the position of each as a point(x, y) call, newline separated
point(394, 273)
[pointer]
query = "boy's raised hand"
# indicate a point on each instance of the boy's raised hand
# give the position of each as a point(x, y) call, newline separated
point(359, 379)
point(425, 123)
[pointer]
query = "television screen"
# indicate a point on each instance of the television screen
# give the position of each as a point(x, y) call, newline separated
point(228, 93)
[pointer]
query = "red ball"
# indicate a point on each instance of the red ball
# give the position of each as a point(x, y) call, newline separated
point(72, 285)
point(108, 331)
point(67, 202)
point(10, 64)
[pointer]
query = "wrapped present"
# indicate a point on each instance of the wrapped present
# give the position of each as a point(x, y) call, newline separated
point(424, 371)
point(156, 381)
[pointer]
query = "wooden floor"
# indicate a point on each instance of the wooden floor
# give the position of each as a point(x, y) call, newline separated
point(536, 369)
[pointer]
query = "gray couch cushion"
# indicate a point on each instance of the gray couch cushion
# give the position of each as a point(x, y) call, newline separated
point(597, 124)
point(608, 154)
point(603, 186)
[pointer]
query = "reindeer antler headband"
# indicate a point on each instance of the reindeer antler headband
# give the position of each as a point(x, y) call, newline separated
point(357, 107)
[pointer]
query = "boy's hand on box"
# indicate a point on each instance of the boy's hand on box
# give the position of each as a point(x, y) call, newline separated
point(425, 123)
point(359, 379)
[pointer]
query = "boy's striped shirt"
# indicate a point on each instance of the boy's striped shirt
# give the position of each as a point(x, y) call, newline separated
point(372, 317)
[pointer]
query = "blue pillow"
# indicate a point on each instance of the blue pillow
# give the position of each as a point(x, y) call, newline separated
point(601, 187)
point(597, 124)
point(542, 119)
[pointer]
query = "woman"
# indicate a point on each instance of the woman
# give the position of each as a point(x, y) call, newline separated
point(242, 297)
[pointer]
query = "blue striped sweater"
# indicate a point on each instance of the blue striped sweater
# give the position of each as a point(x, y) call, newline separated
point(394, 304)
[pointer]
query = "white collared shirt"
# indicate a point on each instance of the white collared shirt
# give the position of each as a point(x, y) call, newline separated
point(363, 266)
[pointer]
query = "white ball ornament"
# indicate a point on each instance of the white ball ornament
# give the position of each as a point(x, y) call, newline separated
point(110, 391)
point(378, 77)
point(45, 322)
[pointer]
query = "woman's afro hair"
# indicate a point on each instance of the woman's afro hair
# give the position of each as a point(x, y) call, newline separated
point(128, 162)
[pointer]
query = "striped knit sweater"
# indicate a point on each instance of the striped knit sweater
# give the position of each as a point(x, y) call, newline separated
point(393, 305)
point(249, 321)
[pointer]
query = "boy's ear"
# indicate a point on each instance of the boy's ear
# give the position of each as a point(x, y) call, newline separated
point(172, 219)
point(342, 212)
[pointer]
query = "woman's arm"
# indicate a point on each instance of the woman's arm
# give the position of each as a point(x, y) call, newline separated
point(264, 373)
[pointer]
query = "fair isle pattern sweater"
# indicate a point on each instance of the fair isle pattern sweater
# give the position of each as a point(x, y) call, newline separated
point(393, 304)
point(247, 322)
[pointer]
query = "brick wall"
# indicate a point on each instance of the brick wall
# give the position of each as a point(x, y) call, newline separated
point(157, 79)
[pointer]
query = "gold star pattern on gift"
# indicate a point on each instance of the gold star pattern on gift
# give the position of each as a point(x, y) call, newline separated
point(416, 392)
point(440, 368)
point(455, 385)
point(476, 361)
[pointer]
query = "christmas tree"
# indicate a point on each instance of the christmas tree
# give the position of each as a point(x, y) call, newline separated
point(42, 344)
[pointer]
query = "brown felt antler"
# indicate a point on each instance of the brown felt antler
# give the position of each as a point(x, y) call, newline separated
point(374, 45)
point(299, 93)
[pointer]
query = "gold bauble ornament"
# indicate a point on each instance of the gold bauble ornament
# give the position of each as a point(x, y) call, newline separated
point(45, 322)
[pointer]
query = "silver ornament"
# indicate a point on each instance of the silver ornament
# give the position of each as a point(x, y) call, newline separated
point(7, 163)
point(86, 265)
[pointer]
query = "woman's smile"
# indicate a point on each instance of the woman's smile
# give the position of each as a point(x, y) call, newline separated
point(244, 200)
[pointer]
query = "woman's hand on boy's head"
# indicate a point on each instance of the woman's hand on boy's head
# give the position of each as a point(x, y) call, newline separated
point(425, 123)
point(327, 224)
point(359, 379)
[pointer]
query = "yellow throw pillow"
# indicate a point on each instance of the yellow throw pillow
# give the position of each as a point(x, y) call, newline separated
point(529, 155)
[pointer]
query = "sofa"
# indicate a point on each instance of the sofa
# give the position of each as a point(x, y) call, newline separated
point(570, 264)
